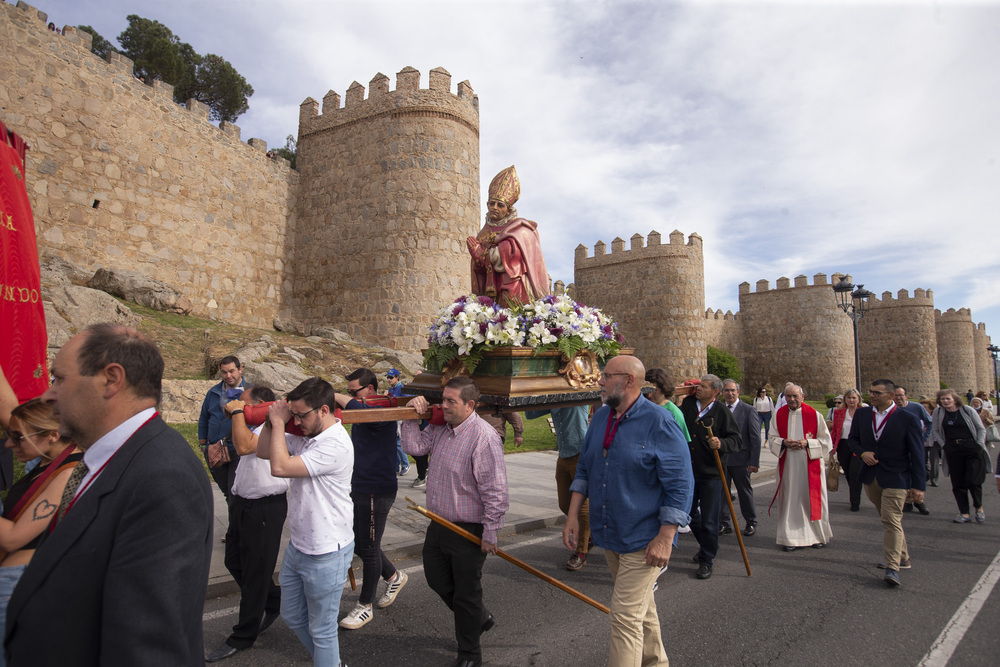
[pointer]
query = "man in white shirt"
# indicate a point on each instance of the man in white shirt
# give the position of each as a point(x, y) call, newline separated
point(319, 464)
point(257, 509)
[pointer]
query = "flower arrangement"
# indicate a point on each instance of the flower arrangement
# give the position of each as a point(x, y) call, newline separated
point(474, 325)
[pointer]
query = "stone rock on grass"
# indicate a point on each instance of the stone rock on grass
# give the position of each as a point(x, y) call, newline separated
point(140, 289)
point(82, 306)
point(182, 399)
point(282, 378)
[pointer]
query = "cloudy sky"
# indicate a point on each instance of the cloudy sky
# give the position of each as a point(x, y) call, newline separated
point(795, 138)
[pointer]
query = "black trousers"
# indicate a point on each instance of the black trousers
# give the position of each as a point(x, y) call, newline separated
point(933, 455)
point(740, 476)
point(224, 476)
point(421, 462)
point(370, 513)
point(252, 545)
point(454, 569)
point(706, 510)
point(967, 469)
point(852, 471)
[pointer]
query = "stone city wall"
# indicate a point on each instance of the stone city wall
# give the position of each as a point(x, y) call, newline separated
point(724, 331)
point(984, 360)
point(121, 176)
point(956, 353)
point(796, 334)
point(898, 341)
point(656, 293)
point(390, 191)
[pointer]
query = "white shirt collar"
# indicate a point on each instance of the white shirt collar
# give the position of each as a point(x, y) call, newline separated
point(108, 444)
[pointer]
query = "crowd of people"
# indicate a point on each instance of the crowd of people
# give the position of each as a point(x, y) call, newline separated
point(118, 502)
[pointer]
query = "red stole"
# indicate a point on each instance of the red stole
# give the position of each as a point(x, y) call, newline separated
point(815, 467)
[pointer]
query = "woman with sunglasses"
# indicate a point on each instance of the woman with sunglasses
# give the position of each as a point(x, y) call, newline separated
point(33, 499)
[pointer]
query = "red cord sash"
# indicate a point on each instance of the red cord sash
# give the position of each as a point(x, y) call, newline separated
point(815, 466)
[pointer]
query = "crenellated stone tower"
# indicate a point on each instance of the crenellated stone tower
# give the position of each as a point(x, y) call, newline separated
point(656, 293)
point(956, 351)
point(389, 192)
point(796, 334)
point(898, 341)
point(984, 360)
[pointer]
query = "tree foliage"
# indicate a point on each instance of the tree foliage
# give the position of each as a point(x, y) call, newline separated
point(290, 151)
point(724, 364)
point(98, 46)
point(159, 54)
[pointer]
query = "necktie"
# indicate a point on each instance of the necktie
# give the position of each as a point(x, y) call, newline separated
point(72, 484)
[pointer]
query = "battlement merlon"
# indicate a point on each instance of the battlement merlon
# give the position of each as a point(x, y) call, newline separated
point(728, 316)
point(783, 283)
point(921, 298)
point(408, 97)
point(117, 63)
point(951, 315)
point(653, 247)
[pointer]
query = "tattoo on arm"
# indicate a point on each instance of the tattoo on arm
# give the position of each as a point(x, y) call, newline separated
point(43, 510)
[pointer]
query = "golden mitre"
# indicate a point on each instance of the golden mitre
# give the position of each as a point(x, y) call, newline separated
point(506, 187)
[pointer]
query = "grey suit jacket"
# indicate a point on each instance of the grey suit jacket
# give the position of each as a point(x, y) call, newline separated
point(122, 578)
point(748, 422)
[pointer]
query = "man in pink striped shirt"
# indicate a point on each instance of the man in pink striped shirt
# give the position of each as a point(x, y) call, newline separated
point(466, 485)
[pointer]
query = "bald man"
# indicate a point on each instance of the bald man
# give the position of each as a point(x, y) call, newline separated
point(635, 468)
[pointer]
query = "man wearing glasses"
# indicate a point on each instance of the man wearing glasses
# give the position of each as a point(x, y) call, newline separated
point(636, 472)
point(318, 464)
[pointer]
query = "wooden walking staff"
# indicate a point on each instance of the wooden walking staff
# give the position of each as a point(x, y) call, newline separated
point(729, 499)
point(507, 557)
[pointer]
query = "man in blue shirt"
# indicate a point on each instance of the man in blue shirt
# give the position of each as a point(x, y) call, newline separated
point(900, 399)
point(214, 425)
point(635, 469)
point(396, 389)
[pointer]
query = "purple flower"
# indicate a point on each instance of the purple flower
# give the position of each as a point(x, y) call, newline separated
point(556, 331)
point(502, 318)
point(485, 301)
point(483, 327)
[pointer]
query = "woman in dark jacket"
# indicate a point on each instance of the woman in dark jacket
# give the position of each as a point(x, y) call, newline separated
point(961, 430)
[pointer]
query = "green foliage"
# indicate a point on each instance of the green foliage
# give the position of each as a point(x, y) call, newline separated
point(158, 54)
point(943, 385)
point(98, 46)
point(723, 364)
point(829, 399)
point(290, 151)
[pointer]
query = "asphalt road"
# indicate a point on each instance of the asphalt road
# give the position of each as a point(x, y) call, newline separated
point(809, 607)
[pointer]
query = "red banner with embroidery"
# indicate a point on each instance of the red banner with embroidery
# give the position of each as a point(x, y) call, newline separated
point(23, 340)
point(814, 467)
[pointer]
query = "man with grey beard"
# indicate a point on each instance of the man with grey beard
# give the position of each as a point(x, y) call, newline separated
point(636, 471)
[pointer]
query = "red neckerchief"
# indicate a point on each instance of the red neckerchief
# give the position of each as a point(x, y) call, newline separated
point(815, 466)
point(97, 474)
point(612, 427)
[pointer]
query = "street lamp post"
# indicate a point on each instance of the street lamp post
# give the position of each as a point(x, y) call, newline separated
point(854, 303)
point(994, 351)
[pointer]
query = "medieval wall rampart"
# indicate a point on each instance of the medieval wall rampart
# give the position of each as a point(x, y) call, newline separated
point(656, 293)
point(796, 333)
point(984, 360)
point(121, 176)
point(724, 331)
point(898, 341)
point(390, 191)
point(955, 347)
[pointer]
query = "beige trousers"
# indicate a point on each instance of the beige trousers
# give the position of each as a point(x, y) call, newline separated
point(889, 503)
point(635, 628)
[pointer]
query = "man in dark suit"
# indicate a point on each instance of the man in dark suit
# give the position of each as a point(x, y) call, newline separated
point(122, 574)
point(744, 461)
point(890, 446)
point(701, 412)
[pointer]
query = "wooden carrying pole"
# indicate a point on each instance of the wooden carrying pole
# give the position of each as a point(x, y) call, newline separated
point(729, 501)
point(507, 557)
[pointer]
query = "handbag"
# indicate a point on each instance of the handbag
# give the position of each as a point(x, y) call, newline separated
point(217, 454)
point(832, 472)
point(991, 434)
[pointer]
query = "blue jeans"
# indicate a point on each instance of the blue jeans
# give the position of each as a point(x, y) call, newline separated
point(311, 587)
point(402, 458)
point(8, 579)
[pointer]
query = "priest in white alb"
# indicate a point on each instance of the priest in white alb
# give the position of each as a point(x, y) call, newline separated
point(801, 441)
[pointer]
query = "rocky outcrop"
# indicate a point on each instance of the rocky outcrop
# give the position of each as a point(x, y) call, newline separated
point(140, 289)
point(182, 399)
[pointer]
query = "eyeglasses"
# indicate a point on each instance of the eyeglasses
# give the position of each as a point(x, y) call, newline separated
point(303, 415)
point(18, 437)
point(872, 392)
point(605, 376)
point(354, 392)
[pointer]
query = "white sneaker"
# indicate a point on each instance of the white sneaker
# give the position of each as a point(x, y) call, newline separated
point(392, 590)
point(684, 529)
point(358, 617)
